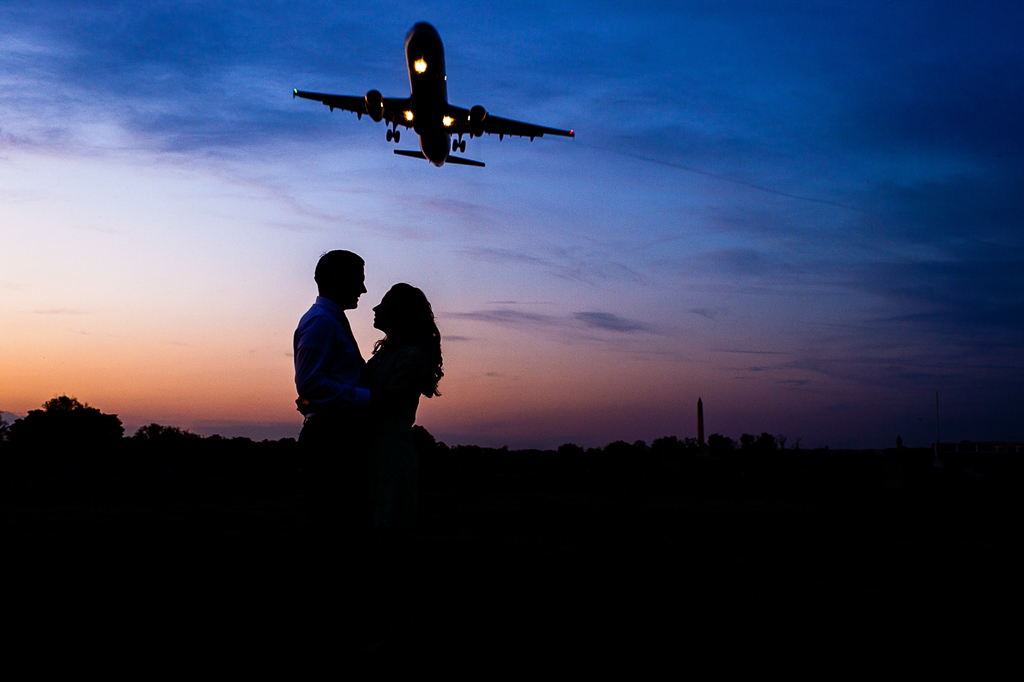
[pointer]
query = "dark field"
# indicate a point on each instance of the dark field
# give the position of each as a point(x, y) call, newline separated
point(516, 565)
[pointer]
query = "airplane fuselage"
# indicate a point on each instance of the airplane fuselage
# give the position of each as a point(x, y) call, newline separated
point(424, 57)
point(426, 110)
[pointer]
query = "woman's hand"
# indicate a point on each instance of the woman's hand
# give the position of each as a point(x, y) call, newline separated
point(378, 395)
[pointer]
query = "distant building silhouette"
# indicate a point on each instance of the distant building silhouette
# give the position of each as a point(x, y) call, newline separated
point(700, 421)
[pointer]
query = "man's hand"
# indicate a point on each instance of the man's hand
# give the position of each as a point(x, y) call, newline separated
point(302, 405)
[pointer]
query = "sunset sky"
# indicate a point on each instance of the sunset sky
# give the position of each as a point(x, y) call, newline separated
point(810, 214)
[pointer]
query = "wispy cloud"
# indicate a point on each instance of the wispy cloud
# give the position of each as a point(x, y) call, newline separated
point(610, 322)
point(601, 321)
point(82, 332)
point(505, 317)
point(61, 311)
point(563, 265)
point(690, 169)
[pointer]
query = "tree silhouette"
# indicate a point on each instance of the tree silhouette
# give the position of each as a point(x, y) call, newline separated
point(571, 455)
point(66, 421)
point(164, 435)
point(766, 442)
point(719, 444)
point(668, 447)
point(65, 433)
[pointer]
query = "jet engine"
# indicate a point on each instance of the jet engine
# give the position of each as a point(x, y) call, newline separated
point(476, 120)
point(375, 105)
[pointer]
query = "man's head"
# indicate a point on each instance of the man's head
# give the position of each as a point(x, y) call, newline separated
point(339, 277)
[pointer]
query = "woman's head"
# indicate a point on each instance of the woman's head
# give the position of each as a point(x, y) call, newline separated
point(405, 317)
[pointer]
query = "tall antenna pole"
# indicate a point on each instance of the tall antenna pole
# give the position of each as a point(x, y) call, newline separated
point(700, 421)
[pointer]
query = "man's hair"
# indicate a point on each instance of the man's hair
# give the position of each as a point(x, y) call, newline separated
point(337, 265)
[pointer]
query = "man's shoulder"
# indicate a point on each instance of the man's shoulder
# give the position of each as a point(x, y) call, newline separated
point(317, 317)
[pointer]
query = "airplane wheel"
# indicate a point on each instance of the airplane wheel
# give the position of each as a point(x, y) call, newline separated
point(455, 145)
point(462, 146)
point(389, 136)
point(398, 135)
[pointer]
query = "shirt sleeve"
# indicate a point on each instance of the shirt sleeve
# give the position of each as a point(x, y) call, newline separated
point(312, 380)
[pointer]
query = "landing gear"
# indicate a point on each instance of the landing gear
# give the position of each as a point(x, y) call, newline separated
point(398, 136)
point(395, 135)
point(390, 135)
point(459, 145)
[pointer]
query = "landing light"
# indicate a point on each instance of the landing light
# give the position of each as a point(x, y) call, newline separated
point(408, 116)
point(420, 66)
point(447, 120)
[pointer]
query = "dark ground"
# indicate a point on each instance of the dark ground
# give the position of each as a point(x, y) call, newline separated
point(515, 566)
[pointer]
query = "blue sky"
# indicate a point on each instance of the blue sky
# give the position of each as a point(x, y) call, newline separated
point(807, 213)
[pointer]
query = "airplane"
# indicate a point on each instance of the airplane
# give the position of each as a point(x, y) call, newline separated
point(426, 110)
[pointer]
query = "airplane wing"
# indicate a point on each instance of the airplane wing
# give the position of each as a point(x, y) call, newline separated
point(495, 125)
point(394, 107)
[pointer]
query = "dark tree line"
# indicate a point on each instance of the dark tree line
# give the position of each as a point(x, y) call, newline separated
point(67, 438)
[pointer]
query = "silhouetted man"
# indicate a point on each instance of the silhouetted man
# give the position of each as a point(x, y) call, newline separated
point(333, 442)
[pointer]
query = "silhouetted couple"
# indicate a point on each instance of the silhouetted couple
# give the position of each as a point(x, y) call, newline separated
point(359, 460)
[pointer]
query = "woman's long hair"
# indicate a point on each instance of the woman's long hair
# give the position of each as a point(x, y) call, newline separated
point(417, 328)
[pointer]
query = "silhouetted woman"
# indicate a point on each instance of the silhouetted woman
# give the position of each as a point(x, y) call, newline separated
point(406, 364)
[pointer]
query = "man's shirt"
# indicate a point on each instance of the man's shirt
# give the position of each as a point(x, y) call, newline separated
point(328, 366)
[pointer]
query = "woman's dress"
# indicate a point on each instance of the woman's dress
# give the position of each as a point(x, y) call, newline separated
point(401, 373)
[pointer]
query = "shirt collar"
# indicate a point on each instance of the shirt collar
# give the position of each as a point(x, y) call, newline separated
point(330, 306)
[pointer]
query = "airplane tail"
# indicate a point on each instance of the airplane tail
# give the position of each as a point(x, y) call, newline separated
point(458, 160)
point(464, 162)
point(414, 155)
